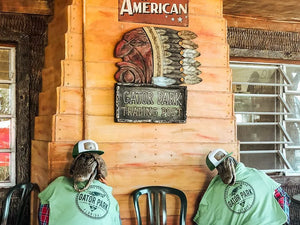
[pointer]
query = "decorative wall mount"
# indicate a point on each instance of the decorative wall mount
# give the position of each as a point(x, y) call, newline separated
point(162, 58)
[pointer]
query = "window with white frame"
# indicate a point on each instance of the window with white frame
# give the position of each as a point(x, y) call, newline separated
point(7, 116)
point(267, 110)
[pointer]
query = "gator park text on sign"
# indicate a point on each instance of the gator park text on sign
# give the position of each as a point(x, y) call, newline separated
point(152, 104)
point(161, 12)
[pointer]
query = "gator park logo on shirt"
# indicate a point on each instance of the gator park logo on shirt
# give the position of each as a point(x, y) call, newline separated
point(94, 202)
point(240, 197)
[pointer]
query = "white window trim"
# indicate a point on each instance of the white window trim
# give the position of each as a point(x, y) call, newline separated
point(282, 152)
point(12, 116)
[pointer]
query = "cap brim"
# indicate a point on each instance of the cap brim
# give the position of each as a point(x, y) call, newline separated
point(225, 157)
point(229, 154)
point(97, 152)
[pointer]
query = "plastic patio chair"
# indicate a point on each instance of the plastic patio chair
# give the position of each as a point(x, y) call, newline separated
point(156, 198)
point(25, 190)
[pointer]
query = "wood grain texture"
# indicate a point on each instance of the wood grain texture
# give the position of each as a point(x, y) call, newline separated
point(102, 22)
point(51, 77)
point(39, 163)
point(261, 23)
point(67, 127)
point(71, 73)
point(136, 154)
point(43, 128)
point(268, 9)
point(195, 130)
point(70, 100)
point(48, 102)
point(125, 155)
point(215, 79)
point(202, 104)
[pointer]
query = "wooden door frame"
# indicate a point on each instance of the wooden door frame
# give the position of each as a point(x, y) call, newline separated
point(28, 33)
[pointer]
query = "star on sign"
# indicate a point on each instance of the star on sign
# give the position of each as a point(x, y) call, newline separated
point(180, 20)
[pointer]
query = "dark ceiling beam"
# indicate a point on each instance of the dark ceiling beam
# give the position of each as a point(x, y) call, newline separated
point(38, 7)
point(287, 10)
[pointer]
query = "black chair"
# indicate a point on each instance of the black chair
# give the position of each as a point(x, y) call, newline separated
point(23, 192)
point(157, 210)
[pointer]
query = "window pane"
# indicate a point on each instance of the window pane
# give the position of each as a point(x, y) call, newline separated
point(4, 64)
point(250, 118)
point(254, 89)
point(262, 161)
point(293, 156)
point(293, 102)
point(4, 166)
point(258, 133)
point(293, 73)
point(7, 116)
point(259, 147)
point(4, 133)
point(293, 129)
point(267, 110)
point(255, 75)
point(5, 99)
point(256, 104)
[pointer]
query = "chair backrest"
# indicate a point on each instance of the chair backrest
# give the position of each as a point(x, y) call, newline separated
point(24, 190)
point(156, 198)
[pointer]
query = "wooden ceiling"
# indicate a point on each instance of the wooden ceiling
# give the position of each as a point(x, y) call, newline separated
point(285, 10)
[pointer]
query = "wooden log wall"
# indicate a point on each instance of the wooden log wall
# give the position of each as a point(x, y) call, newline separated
point(77, 102)
point(261, 23)
point(262, 40)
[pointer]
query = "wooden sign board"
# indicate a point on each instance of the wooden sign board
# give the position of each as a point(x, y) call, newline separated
point(161, 12)
point(150, 104)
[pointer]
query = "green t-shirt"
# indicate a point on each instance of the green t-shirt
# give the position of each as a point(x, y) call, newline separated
point(250, 201)
point(94, 206)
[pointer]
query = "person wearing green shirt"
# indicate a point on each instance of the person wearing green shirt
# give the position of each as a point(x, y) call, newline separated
point(83, 198)
point(238, 195)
